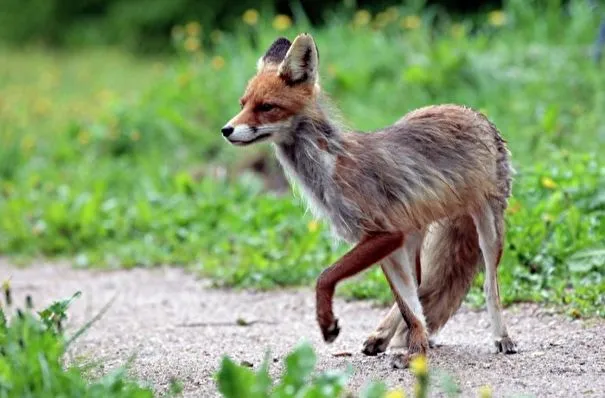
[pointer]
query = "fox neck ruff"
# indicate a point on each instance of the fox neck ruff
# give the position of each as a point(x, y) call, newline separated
point(309, 160)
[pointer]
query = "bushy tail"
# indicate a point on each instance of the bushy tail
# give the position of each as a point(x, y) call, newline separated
point(450, 258)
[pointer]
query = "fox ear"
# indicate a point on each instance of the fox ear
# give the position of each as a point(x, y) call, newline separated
point(301, 61)
point(275, 54)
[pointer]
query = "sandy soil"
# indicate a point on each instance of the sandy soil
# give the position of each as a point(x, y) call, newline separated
point(179, 327)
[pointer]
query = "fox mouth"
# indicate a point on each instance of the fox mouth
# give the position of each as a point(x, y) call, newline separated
point(258, 138)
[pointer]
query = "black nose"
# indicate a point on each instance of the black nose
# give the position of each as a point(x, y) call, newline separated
point(227, 130)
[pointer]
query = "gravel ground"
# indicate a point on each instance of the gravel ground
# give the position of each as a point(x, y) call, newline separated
point(179, 327)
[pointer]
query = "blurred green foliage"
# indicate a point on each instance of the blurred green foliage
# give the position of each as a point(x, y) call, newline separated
point(108, 179)
point(145, 25)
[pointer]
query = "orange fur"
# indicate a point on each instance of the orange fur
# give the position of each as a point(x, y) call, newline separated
point(268, 88)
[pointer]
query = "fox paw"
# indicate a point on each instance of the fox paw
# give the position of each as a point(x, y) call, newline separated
point(400, 361)
point(331, 332)
point(374, 345)
point(433, 344)
point(506, 345)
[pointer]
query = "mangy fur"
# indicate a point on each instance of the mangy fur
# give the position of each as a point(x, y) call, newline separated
point(429, 170)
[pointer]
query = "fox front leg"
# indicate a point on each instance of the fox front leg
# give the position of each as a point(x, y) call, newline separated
point(370, 250)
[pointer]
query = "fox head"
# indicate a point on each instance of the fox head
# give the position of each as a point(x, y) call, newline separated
point(283, 89)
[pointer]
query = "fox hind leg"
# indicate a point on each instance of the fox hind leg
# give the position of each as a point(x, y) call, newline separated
point(489, 222)
point(399, 270)
point(392, 330)
point(380, 338)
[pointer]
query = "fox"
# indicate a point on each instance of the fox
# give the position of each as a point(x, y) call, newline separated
point(425, 197)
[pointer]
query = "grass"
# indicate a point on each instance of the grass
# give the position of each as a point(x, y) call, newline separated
point(117, 162)
point(32, 346)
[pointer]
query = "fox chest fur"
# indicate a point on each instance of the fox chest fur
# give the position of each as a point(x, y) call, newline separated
point(311, 165)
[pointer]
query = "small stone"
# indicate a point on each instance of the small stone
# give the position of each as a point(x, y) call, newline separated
point(342, 354)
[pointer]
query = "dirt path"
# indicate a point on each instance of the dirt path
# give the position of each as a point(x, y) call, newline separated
point(558, 357)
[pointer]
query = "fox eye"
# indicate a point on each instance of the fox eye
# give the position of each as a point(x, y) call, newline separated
point(265, 107)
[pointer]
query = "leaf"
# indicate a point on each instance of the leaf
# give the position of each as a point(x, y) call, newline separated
point(55, 313)
point(374, 390)
point(583, 261)
point(299, 365)
point(550, 119)
point(326, 385)
point(448, 384)
point(236, 381)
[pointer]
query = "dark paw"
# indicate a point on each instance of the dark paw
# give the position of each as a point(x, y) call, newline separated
point(374, 346)
point(506, 345)
point(331, 332)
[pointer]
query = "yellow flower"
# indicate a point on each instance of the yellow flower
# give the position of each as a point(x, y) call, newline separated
point(411, 22)
point(362, 18)
point(313, 226)
point(193, 28)
point(497, 18)
point(419, 365)
point(84, 137)
point(192, 44)
point(458, 30)
point(548, 183)
point(392, 13)
point(135, 135)
point(395, 394)
point(485, 392)
point(282, 22)
point(548, 218)
point(250, 17)
point(382, 19)
point(575, 313)
point(218, 62)
point(27, 143)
